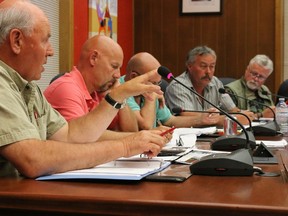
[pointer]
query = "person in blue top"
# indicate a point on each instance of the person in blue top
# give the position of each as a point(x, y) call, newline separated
point(150, 109)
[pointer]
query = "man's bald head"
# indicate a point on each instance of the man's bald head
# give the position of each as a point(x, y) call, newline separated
point(99, 44)
point(142, 62)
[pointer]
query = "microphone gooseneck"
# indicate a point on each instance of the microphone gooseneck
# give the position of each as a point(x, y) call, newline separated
point(223, 91)
point(178, 110)
point(270, 128)
point(275, 95)
point(165, 72)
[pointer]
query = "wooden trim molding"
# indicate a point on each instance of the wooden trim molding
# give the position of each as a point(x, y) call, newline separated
point(66, 35)
point(279, 44)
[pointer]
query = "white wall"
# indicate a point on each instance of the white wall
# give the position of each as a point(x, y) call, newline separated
point(51, 9)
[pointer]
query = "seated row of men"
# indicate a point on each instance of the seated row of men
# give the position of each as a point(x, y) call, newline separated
point(78, 92)
point(36, 140)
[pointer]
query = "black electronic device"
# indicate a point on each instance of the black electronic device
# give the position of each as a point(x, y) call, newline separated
point(231, 142)
point(270, 128)
point(237, 163)
point(236, 141)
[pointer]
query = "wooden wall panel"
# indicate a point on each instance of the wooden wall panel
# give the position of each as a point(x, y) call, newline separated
point(244, 29)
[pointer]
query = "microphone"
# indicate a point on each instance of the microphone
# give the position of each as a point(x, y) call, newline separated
point(178, 110)
point(275, 95)
point(230, 142)
point(268, 129)
point(237, 163)
point(222, 142)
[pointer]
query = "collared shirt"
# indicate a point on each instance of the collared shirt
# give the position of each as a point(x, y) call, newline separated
point(178, 96)
point(246, 99)
point(69, 95)
point(162, 114)
point(24, 111)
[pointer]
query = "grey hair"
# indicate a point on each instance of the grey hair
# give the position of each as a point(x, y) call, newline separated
point(199, 50)
point(15, 17)
point(263, 61)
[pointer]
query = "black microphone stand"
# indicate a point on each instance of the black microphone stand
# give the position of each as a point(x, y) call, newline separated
point(234, 142)
point(277, 96)
point(163, 71)
point(268, 129)
point(237, 163)
point(222, 143)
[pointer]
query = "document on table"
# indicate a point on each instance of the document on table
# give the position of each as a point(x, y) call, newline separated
point(182, 142)
point(273, 144)
point(121, 169)
point(186, 137)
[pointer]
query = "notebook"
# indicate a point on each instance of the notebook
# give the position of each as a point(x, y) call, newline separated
point(121, 169)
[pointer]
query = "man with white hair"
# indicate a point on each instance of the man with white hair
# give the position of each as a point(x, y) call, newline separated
point(251, 86)
point(35, 139)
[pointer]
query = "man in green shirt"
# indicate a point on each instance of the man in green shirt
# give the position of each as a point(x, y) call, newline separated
point(34, 138)
point(249, 92)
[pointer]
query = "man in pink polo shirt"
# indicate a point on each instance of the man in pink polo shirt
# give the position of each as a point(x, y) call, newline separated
point(78, 92)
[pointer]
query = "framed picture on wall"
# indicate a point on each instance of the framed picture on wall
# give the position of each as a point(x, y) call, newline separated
point(201, 7)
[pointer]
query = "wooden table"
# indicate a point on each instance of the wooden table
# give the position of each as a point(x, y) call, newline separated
point(199, 195)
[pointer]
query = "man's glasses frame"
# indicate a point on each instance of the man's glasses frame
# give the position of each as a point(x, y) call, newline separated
point(258, 76)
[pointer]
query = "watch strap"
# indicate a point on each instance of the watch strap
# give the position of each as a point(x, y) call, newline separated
point(114, 103)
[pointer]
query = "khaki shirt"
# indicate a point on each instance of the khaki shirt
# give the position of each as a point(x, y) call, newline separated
point(246, 99)
point(24, 111)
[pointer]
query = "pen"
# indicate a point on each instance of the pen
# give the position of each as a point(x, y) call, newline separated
point(167, 131)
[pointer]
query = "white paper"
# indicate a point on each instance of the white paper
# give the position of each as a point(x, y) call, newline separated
point(188, 136)
point(275, 144)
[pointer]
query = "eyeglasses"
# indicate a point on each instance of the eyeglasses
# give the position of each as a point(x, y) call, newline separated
point(258, 76)
point(154, 83)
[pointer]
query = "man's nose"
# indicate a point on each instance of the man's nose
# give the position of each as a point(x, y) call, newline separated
point(117, 74)
point(50, 51)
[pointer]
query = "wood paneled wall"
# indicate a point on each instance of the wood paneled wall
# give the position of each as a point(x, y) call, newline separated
point(244, 29)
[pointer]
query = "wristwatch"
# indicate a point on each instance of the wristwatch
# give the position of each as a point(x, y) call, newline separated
point(114, 103)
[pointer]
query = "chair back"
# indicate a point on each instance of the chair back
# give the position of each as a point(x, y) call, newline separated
point(226, 80)
point(282, 91)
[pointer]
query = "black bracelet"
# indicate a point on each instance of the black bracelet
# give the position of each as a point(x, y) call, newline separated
point(114, 103)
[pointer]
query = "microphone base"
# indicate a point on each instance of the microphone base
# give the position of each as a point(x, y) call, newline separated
point(237, 163)
point(271, 128)
point(234, 142)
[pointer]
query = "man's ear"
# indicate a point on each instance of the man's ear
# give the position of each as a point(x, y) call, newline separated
point(16, 40)
point(133, 74)
point(93, 57)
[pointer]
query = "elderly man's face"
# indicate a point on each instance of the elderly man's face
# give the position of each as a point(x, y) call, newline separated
point(202, 70)
point(255, 76)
